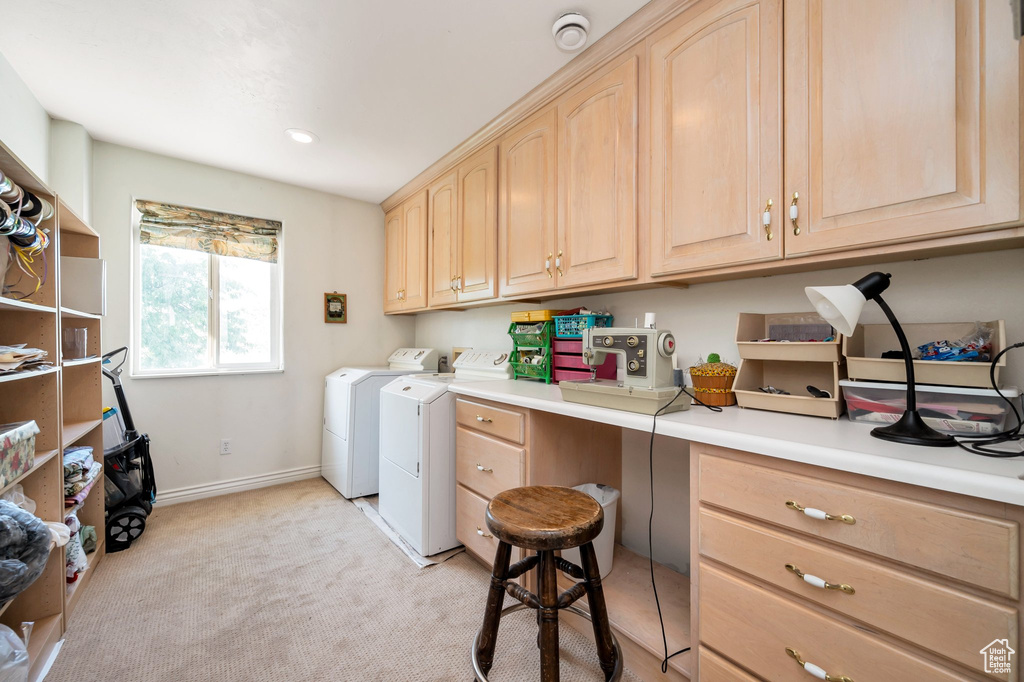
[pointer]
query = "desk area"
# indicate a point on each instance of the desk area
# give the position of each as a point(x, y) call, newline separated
point(932, 551)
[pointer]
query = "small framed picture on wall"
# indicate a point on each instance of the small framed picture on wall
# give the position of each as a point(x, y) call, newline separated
point(335, 308)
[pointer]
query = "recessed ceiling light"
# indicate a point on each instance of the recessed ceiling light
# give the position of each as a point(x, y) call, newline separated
point(301, 136)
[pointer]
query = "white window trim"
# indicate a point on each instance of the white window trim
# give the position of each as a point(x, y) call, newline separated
point(275, 366)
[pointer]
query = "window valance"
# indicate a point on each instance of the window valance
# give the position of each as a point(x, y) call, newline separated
point(223, 234)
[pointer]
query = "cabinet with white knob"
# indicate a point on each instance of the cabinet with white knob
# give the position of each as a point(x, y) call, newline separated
point(405, 255)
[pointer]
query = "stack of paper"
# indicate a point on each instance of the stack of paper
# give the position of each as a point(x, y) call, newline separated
point(19, 359)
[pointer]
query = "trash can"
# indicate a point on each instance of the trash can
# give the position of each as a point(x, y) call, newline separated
point(604, 543)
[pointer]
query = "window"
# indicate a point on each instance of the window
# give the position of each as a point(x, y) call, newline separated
point(207, 292)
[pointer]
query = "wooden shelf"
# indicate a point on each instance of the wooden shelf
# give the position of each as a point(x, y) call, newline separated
point(14, 305)
point(70, 312)
point(41, 458)
point(79, 363)
point(45, 634)
point(17, 376)
point(633, 612)
point(73, 431)
point(71, 222)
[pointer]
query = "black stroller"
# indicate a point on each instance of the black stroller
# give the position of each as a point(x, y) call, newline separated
point(129, 483)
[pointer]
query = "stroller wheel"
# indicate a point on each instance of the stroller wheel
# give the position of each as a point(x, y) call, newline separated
point(124, 526)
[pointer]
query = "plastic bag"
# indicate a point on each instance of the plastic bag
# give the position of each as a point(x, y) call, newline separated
point(14, 662)
point(24, 549)
point(17, 496)
point(975, 346)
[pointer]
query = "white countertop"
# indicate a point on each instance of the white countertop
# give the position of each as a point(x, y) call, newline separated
point(841, 445)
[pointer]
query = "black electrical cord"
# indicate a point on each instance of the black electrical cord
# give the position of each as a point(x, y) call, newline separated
point(978, 444)
point(650, 524)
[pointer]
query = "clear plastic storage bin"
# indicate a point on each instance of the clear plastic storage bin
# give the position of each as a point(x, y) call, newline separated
point(947, 409)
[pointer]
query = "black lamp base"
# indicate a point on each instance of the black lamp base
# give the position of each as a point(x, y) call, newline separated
point(912, 430)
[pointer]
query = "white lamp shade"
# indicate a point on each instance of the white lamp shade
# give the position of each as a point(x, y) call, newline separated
point(840, 306)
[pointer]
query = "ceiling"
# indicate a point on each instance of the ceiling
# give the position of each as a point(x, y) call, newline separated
point(389, 86)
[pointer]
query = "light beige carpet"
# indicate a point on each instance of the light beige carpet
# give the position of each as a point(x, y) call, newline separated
point(288, 584)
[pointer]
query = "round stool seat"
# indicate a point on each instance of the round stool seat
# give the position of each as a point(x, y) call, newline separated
point(544, 517)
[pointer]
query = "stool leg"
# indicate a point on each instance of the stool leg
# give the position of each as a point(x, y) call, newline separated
point(492, 613)
point(598, 611)
point(548, 587)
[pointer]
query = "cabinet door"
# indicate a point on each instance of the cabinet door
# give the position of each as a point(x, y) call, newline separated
point(528, 210)
point(394, 260)
point(597, 177)
point(716, 136)
point(443, 239)
point(477, 254)
point(902, 120)
point(414, 219)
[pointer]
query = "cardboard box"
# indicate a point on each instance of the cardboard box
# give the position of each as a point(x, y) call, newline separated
point(83, 284)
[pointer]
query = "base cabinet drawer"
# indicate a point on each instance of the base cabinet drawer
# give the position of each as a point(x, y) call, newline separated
point(714, 668)
point(471, 526)
point(495, 421)
point(486, 465)
point(978, 550)
point(936, 617)
point(772, 635)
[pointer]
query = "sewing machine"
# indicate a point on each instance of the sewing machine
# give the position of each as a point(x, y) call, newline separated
point(647, 359)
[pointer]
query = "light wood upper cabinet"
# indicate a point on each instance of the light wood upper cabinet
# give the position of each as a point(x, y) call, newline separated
point(405, 255)
point(716, 136)
point(597, 176)
point(414, 217)
point(902, 120)
point(394, 260)
point(476, 273)
point(528, 204)
point(444, 239)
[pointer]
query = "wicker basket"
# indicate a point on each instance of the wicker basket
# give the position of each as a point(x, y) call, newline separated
point(712, 383)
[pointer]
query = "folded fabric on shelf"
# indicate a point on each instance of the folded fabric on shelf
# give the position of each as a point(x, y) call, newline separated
point(81, 489)
point(77, 461)
point(74, 555)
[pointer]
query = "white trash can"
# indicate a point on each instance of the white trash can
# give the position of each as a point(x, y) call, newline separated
point(604, 543)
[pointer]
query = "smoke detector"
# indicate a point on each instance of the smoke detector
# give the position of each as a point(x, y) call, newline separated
point(570, 31)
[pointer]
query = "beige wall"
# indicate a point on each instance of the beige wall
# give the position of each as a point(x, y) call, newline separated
point(274, 420)
point(703, 319)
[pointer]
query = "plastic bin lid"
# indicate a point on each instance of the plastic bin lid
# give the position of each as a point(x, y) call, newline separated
point(1008, 391)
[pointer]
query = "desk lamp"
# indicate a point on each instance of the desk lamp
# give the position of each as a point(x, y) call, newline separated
point(841, 307)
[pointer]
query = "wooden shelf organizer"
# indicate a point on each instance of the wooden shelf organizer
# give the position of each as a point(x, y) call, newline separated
point(66, 402)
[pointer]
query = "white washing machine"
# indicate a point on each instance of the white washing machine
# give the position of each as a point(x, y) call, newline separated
point(351, 419)
point(417, 450)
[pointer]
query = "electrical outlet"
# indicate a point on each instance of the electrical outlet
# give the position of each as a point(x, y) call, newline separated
point(225, 446)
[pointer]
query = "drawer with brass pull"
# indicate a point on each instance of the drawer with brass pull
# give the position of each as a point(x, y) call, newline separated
point(487, 465)
point(471, 526)
point(714, 668)
point(933, 616)
point(972, 548)
point(775, 637)
point(495, 421)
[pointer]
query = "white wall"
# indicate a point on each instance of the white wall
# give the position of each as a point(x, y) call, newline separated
point(274, 420)
point(703, 318)
point(71, 166)
point(24, 124)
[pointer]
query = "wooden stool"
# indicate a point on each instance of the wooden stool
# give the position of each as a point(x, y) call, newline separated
point(546, 519)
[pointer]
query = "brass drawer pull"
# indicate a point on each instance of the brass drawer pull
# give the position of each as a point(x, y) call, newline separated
point(819, 514)
point(818, 582)
point(481, 533)
point(815, 670)
point(485, 420)
point(766, 218)
point(481, 467)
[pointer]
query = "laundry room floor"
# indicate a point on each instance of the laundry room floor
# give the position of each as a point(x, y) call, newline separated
point(286, 584)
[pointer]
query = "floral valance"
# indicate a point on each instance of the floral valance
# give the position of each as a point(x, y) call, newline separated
point(224, 234)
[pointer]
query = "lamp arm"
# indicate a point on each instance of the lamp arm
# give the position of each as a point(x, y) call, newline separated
point(907, 357)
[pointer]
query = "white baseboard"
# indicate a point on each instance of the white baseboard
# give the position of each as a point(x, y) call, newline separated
point(235, 485)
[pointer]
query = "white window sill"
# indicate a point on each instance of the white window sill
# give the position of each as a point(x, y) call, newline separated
point(210, 373)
